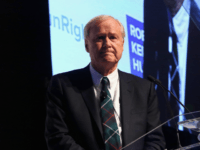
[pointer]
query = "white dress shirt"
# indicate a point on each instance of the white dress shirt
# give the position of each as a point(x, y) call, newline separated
point(181, 25)
point(113, 89)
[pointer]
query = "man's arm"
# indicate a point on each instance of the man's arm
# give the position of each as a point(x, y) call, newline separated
point(57, 133)
point(154, 140)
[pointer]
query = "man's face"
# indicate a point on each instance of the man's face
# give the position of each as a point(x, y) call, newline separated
point(105, 43)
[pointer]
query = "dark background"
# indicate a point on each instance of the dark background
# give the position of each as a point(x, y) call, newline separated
point(25, 69)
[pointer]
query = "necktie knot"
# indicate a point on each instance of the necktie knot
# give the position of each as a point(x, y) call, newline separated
point(105, 81)
point(104, 93)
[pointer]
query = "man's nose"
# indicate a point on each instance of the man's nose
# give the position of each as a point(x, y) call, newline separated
point(107, 42)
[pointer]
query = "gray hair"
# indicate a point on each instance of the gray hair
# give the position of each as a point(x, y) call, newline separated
point(90, 24)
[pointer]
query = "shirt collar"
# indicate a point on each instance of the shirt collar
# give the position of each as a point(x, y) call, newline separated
point(97, 77)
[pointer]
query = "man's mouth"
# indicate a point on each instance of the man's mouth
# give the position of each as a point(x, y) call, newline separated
point(106, 52)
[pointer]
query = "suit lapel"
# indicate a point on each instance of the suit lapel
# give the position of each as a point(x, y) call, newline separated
point(127, 104)
point(89, 98)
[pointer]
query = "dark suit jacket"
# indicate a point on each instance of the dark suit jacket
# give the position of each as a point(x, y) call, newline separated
point(73, 116)
point(156, 55)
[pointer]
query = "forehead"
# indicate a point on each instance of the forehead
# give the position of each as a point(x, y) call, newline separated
point(106, 25)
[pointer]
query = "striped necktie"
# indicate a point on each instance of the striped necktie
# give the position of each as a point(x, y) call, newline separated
point(110, 129)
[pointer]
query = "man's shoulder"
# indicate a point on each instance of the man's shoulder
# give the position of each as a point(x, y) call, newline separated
point(74, 77)
point(78, 73)
point(130, 77)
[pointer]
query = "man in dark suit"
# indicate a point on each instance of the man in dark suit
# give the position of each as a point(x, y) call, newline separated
point(76, 100)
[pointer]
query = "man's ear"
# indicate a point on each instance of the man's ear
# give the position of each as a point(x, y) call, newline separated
point(86, 45)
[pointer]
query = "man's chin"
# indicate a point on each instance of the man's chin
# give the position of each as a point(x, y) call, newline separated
point(109, 61)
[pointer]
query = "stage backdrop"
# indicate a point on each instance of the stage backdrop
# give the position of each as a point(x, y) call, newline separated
point(68, 18)
point(67, 21)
